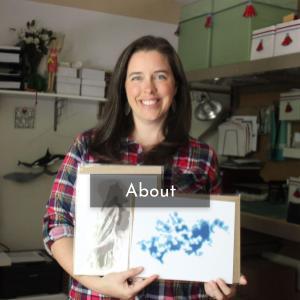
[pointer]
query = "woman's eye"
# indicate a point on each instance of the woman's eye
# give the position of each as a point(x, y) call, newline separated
point(136, 78)
point(161, 76)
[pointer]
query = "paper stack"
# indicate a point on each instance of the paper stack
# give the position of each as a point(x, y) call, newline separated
point(92, 82)
point(67, 81)
point(11, 68)
point(238, 136)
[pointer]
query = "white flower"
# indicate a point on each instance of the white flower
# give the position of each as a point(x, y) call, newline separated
point(44, 37)
point(28, 40)
point(36, 41)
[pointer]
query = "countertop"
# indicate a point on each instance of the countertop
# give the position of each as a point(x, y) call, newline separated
point(269, 218)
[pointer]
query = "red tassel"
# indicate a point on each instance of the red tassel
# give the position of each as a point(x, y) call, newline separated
point(260, 46)
point(249, 11)
point(287, 40)
point(288, 108)
point(297, 193)
point(208, 21)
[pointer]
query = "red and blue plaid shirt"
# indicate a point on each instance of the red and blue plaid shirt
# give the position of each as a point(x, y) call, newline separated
point(196, 160)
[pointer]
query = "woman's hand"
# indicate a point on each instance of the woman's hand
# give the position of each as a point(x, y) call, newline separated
point(124, 285)
point(219, 290)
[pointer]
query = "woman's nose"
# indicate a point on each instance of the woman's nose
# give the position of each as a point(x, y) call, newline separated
point(149, 86)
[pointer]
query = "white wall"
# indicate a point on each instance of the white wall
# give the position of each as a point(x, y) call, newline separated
point(94, 38)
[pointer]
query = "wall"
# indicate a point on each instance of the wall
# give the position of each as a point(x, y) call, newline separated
point(92, 37)
point(156, 10)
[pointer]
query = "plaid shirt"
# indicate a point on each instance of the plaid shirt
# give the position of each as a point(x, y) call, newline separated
point(197, 161)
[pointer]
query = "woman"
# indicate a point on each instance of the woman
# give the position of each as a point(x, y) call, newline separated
point(146, 121)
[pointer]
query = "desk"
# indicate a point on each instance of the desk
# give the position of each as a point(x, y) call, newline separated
point(269, 218)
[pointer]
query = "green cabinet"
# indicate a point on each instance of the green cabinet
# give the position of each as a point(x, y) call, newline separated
point(229, 39)
point(195, 39)
point(231, 36)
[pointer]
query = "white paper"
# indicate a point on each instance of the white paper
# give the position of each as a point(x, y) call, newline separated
point(161, 248)
point(102, 234)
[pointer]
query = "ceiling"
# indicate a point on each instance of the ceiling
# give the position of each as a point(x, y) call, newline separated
point(157, 10)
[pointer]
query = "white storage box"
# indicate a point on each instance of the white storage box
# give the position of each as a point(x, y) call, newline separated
point(67, 71)
point(92, 91)
point(289, 110)
point(294, 190)
point(262, 45)
point(287, 38)
point(289, 106)
point(93, 82)
point(95, 74)
point(68, 85)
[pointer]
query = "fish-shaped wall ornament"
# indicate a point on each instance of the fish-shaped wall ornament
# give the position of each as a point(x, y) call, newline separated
point(44, 161)
point(22, 177)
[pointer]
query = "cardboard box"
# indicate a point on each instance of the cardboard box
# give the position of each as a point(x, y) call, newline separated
point(67, 71)
point(92, 91)
point(93, 82)
point(95, 74)
point(262, 45)
point(68, 85)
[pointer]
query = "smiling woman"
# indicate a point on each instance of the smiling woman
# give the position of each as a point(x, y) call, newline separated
point(149, 79)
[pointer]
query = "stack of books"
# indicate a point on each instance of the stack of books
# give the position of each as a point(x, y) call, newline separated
point(92, 82)
point(11, 68)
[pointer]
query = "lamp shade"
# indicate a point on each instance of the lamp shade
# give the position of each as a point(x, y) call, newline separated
point(206, 108)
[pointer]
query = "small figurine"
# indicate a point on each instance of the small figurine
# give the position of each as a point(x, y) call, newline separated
point(55, 47)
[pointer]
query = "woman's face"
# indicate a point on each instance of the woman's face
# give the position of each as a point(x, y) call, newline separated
point(150, 86)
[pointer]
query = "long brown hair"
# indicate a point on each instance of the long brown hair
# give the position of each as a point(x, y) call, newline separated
point(115, 124)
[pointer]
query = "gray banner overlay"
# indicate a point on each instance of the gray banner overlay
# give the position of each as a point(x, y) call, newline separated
point(138, 191)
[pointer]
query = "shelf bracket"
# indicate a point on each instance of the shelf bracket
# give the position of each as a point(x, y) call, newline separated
point(58, 108)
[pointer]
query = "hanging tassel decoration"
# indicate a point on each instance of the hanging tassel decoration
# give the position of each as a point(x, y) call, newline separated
point(208, 21)
point(249, 11)
point(287, 40)
point(288, 108)
point(260, 46)
point(297, 193)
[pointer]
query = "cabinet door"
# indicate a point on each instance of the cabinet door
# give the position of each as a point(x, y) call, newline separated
point(194, 44)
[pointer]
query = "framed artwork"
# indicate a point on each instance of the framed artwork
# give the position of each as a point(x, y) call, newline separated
point(115, 231)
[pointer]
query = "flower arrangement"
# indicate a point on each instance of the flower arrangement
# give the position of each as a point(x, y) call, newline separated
point(35, 37)
point(34, 42)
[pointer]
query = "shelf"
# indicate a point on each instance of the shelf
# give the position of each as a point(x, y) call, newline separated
point(271, 226)
point(59, 100)
point(291, 152)
point(289, 63)
point(51, 95)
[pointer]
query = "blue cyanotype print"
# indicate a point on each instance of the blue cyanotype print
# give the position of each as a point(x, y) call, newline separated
point(174, 234)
